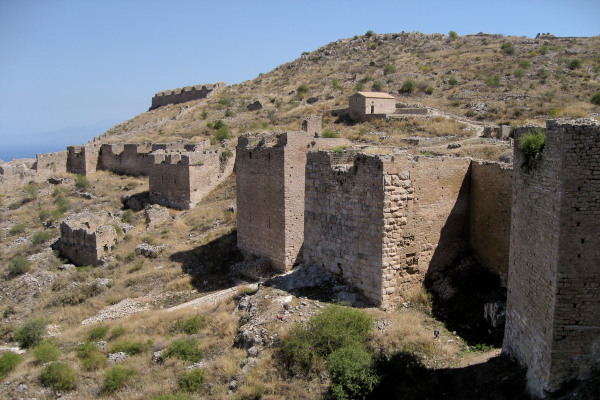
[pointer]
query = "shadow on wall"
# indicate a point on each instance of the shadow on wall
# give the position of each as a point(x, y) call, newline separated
point(460, 285)
point(209, 264)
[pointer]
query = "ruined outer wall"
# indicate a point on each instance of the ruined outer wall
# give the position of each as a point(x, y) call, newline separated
point(343, 215)
point(17, 173)
point(128, 159)
point(260, 191)
point(432, 196)
point(186, 94)
point(489, 222)
point(553, 304)
point(84, 239)
point(82, 159)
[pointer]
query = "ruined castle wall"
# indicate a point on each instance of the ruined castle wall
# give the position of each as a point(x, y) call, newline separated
point(216, 166)
point(553, 303)
point(82, 159)
point(84, 238)
point(50, 164)
point(343, 226)
point(128, 159)
point(489, 218)
point(188, 93)
point(260, 191)
point(379, 222)
point(429, 213)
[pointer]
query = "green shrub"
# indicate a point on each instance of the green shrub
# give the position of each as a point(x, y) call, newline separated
point(58, 375)
point(117, 332)
point(389, 69)
point(452, 34)
point(204, 114)
point(185, 349)
point(575, 63)
point(493, 80)
point(333, 328)
point(189, 326)
point(352, 373)
point(81, 182)
point(369, 33)
point(17, 229)
point(41, 237)
point(544, 50)
point(525, 64)
point(222, 133)
point(225, 101)
point(31, 191)
point(507, 48)
point(429, 90)
point(336, 84)
point(302, 90)
point(531, 144)
point(115, 378)
point(32, 333)
point(130, 347)
point(128, 216)
point(519, 72)
point(8, 363)
point(408, 86)
point(359, 86)
point(18, 265)
point(62, 205)
point(45, 352)
point(339, 149)
point(596, 98)
point(377, 86)
point(328, 133)
point(94, 361)
point(453, 81)
point(191, 381)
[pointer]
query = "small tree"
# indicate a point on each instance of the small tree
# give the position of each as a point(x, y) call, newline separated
point(81, 182)
point(369, 33)
point(18, 265)
point(59, 375)
point(575, 63)
point(507, 48)
point(408, 86)
point(377, 86)
point(389, 69)
point(302, 90)
point(596, 99)
point(452, 34)
point(31, 333)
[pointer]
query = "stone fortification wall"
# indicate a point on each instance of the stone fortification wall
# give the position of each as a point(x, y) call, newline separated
point(186, 94)
point(412, 111)
point(128, 159)
point(489, 222)
point(180, 179)
point(553, 303)
point(86, 237)
point(17, 173)
point(270, 194)
point(313, 125)
point(83, 159)
point(380, 223)
point(496, 131)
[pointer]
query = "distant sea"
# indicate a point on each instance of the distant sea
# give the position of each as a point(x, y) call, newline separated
point(15, 146)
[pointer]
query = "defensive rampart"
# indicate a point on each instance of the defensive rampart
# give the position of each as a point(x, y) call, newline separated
point(186, 94)
point(553, 302)
point(17, 173)
point(379, 222)
point(86, 237)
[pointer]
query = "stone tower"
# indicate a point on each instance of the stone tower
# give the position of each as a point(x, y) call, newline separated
point(553, 302)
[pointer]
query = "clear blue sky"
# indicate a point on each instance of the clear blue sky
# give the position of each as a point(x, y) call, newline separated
point(91, 64)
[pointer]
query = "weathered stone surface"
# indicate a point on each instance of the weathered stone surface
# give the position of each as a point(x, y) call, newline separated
point(86, 237)
point(156, 215)
point(147, 250)
point(553, 302)
point(186, 94)
point(367, 104)
point(495, 313)
point(257, 105)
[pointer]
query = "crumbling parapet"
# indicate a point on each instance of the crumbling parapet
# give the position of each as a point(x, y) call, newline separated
point(86, 237)
point(180, 179)
point(185, 94)
point(313, 125)
point(17, 173)
point(83, 159)
point(553, 301)
point(501, 132)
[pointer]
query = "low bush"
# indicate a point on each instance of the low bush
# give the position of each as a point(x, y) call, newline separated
point(191, 381)
point(525, 64)
point(519, 72)
point(185, 349)
point(575, 63)
point(333, 328)
point(507, 48)
point(531, 144)
point(45, 352)
point(18, 265)
point(128, 216)
point(452, 34)
point(369, 33)
point(130, 347)
point(189, 326)
point(377, 86)
point(97, 332)
point(81, 182)
point(352, 373)
point(117, 332)
point(302, 90)
point(493, 80)
point(41, 237)
point(31, 333)
point(453, 81)
point(389, 69)
point(91, 357)
point(8, 363)
point(328, 133)
point(596, 98)
point(408, 86)
point(176, 396)
point(116, 377)
point(359, 86)
point(17, 229)
point(59, 375)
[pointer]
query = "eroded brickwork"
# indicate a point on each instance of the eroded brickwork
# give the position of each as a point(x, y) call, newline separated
point(17, 173)
point(380, 223)
point(553, 304)
point(86, 237)
point(83, 159)
point(188, 93)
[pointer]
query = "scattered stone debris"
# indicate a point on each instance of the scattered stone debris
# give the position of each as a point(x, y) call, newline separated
point(454, 146)
point(156, 215)
point(147, 250)
point(55, 180)
point(114, 358)
point(257, 105)
point(86, 195)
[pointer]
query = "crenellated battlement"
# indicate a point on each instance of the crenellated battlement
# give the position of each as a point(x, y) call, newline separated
point(188, 93)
